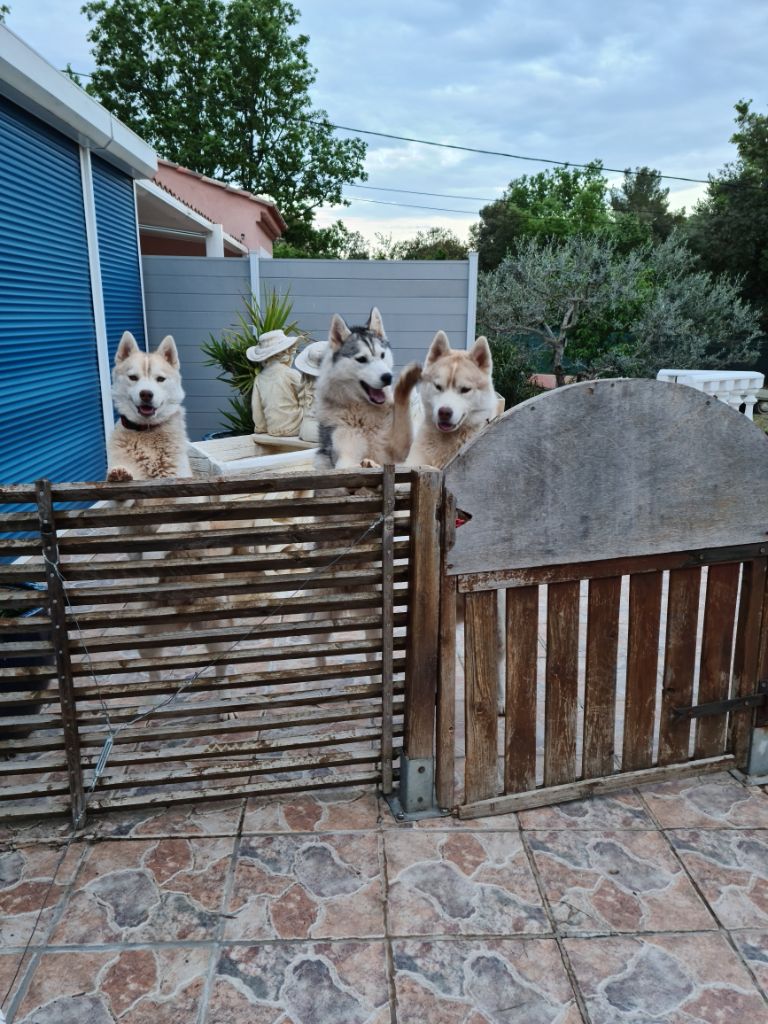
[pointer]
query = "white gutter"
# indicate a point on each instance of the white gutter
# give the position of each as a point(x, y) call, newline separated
point(30, 81)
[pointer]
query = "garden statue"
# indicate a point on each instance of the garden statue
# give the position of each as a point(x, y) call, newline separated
point(275, 400)
point(308, 362)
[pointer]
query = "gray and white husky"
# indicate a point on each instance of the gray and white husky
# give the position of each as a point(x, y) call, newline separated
point(363, 420)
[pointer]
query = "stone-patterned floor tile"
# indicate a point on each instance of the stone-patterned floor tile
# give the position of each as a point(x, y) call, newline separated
point(731, 869)
point(707, 801)
point(301, 983)
point(147, 891)
point(220, 818)
point(616, 882)
point(25, 875)
point(753, 946)
point(342, 810)
point(132, 986)
point(461, 883)
point(622, 810)
point(664, 979)
point(307, 887)
point(482, 981)
point(13, 971)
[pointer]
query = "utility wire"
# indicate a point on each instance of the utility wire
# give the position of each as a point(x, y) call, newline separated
point(413, 206)
point(414, 192)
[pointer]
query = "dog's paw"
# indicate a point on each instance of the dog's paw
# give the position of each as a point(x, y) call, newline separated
point(118, 475)
point(370, 464)
point(408, 380)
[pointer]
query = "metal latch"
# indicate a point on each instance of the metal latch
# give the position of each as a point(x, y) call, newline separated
point(721, 707)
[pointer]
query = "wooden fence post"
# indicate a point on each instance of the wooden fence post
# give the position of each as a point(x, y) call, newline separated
point(57, 609)
point(387, 622)
point(422, 644)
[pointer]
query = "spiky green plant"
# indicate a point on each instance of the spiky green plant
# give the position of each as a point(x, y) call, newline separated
point(228, 352)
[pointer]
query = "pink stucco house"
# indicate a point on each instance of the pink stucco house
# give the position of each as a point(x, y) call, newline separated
point(245, 222)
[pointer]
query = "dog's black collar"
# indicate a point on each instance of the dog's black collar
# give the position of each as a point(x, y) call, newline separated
point(129, 425)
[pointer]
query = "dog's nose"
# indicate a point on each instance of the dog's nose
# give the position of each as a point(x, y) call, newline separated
point(444, 413)
point(145, 396)
point(386, 379)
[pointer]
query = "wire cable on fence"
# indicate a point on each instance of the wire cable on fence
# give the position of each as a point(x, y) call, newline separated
point(113, 732)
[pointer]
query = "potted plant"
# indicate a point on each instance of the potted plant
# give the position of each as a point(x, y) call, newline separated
point(228, 352)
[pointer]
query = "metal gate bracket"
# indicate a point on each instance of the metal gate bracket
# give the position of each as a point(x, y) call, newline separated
point(415, 798)
point(721, 707)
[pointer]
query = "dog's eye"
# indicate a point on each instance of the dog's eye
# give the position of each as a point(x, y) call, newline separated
point(465, 391)
point(438, 387)
point(161, 380)
point(133, 376)
point(362, 359)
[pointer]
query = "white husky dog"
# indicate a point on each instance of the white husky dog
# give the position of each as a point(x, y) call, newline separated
point(362, 419)
point(149, 440)
point(458, 398)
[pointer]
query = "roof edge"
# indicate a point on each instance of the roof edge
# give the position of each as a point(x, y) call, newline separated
point(28, 80)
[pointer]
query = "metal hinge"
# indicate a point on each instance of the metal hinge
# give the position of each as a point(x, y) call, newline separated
point(721, 707)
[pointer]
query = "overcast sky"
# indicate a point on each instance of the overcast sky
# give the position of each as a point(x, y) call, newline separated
point(629, 83)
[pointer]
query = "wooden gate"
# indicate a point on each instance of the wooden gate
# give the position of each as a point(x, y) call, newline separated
point(201, 639)
point(617, 532)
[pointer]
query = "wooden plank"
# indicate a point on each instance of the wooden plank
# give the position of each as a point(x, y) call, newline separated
point(642, 667)
point(593, 787)
point(258, 483)
point(522, 641)
point(600, 675)
point(210, 562)
point(56, 605)
point(716, 650)
point(185, 592)
point(142, 618)
point(424, 604)
point(542, 574)
point(386, 642)
point(121, 641)
point(345, 670)
point(562, 680)
point(746, 654)
point(202, 773)
point(679, 663)
point(280, 533)
point(480, 631)
point(445, 723)
point(615, 491)
point(175, 513)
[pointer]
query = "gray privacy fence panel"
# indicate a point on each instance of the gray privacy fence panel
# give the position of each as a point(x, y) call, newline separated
point(192, 297)
point(416, 297)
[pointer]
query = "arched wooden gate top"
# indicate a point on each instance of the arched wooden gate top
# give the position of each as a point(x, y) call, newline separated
point(608, 469)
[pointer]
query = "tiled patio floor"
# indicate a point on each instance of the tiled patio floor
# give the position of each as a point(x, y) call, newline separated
point(646, 906)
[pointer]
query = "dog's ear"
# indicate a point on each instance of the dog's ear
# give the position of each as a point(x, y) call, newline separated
point(480, 353)
point(167, 349)
point(440, 347)
point(126, 348)
point(339, 332)
point(375, 324)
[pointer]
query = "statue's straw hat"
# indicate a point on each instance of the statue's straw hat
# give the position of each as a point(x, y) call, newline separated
point(270, 344)
point(310, 358)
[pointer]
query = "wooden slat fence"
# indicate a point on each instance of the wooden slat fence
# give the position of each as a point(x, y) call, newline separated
point(617, 532)
point(243, 635)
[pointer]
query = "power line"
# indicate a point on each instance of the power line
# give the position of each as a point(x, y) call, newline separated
point(413, 206)
point(414, 192)
point(520, 156)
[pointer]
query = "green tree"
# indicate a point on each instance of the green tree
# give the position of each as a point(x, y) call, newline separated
point(641, 208)
point(433, 244)
point(5, 10)
point(556, 203)
point(598, 311)
point(336, 242)
point(222, 87)
point(729, 227)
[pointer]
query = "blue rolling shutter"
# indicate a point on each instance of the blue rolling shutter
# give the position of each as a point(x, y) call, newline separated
point(50, 397)
point(118, 253)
